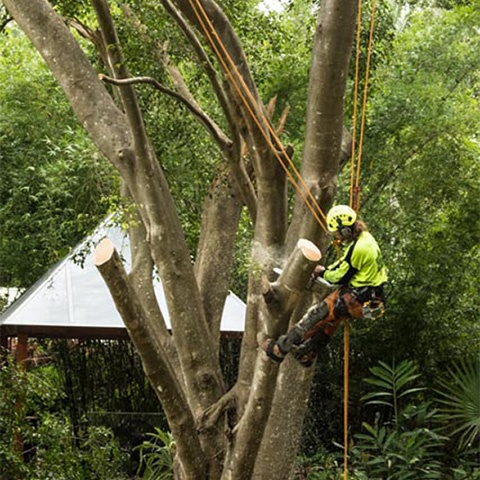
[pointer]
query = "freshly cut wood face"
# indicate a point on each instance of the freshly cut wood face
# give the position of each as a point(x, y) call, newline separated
point(104, 251)
point(309, 250)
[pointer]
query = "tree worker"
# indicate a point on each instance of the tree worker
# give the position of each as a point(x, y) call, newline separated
point(360, 275)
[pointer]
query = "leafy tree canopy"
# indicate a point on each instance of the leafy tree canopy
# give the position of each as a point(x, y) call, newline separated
point(421, 189)
point(54, 182)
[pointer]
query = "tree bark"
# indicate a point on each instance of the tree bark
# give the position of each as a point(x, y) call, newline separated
point(184, 367)
point(159, 371)
point(142, 174)
point(326, 97)
point(250, 428)
point(216, 245)
point(320, 167)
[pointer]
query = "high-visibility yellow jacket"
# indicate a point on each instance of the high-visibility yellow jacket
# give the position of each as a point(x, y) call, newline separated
point(360, 265)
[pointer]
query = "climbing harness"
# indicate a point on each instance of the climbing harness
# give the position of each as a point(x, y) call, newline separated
point(373, 310)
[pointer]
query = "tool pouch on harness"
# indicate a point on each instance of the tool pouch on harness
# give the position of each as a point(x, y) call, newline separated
point(373, 310)
point(373, 301)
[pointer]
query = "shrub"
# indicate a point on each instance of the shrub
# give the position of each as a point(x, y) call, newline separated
point(36, 437)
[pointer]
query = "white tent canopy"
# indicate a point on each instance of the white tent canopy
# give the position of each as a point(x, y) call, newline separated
point(72, 297)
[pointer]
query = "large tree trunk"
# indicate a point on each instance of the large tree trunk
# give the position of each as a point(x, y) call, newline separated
point(184, 367)
point(320, 166)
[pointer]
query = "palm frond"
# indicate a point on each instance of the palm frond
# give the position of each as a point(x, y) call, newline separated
point(459, 399)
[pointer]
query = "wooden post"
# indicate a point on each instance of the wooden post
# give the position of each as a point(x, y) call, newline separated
point(21, 357)
point(21, 353)
point(3, 346)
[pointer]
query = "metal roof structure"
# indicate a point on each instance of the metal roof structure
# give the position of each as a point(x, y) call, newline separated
point(72, 301)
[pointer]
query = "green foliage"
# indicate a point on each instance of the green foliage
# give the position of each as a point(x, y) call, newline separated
point(53, 449)
point(459, 397)
point(391, 381)
point(401, 446)
point(36, 438)
point(156, 456)
point(101, 455)
point(420, 188)
point(410, 446)
point(400, 453)
point(404, 441)
point(55, 186)
point(185, 151)
point(321, 466)
point(13, 390)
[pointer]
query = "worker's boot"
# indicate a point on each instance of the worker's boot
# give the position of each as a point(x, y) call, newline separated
point(288, 341)
point(278, 349)
point(306, 353)
point(308, 326)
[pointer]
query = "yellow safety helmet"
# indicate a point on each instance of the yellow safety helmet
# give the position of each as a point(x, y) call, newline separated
point(340, 216)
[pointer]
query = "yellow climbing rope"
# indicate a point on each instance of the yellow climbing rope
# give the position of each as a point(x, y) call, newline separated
point(355, 195)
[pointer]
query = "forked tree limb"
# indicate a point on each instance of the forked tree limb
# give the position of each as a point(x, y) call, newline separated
point(230, 152)
point(204, 59)
point(212, 414)
point(297, 271)
point(321, 161)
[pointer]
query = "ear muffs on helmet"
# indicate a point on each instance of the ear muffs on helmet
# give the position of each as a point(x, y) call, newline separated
point(346, 232)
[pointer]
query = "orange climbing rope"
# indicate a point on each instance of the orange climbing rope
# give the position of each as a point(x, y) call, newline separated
point(355, 105)
point(251, 105)
point(355, 173)
point(346, 358)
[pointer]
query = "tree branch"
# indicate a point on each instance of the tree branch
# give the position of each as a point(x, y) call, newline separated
point(219, 137)
point(93, 36)
point(282, 295)
point(156, 366)
point(212, 414)
point(325, 109)
point(141, 277)
point(216, 245)
point(119, 69)
point(207, 65)
point(297, 271)
point(231, 153)
point(320, 167)
point(215, 27)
